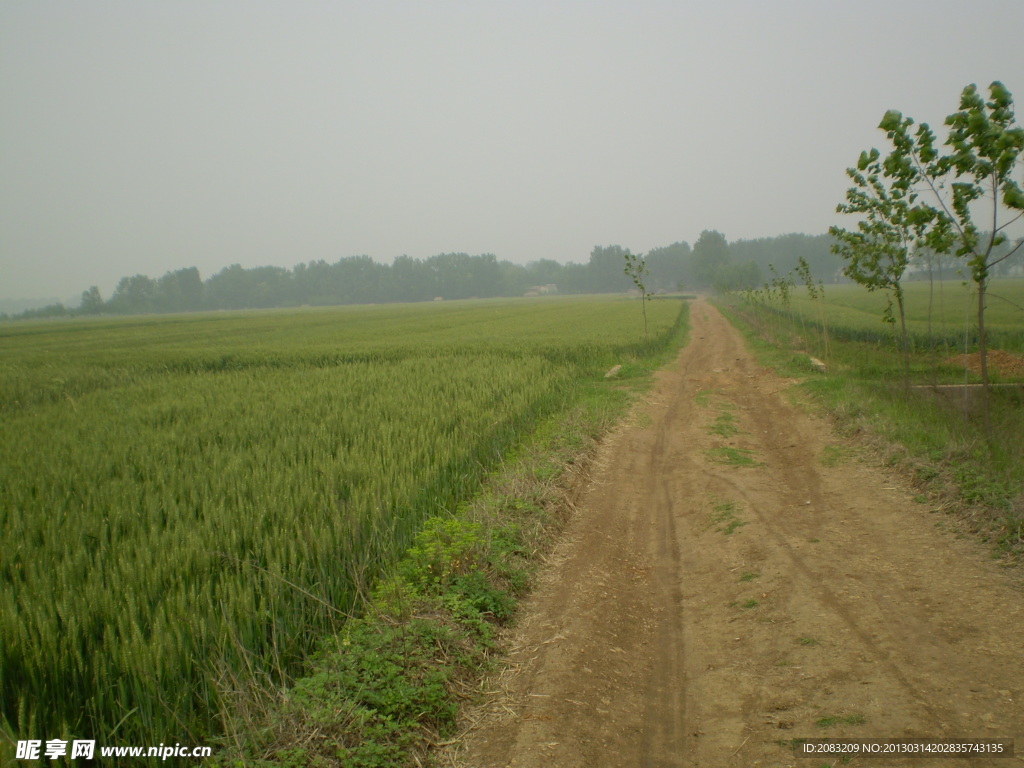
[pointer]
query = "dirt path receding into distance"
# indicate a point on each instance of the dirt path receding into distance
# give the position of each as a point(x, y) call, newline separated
point(735, 578)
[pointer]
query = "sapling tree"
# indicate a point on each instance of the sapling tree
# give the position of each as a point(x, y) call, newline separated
point(878, 252)
point(974, 182)
point(816, 292)
point(754, 298)
point(636, 270)
point(783, 288)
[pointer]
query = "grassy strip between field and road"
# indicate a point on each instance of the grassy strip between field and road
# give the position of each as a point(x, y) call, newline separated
point(935, 435)
point(387, 689)
point(204, 514)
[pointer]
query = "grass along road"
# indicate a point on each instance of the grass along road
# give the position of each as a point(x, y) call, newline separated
point(703, 611)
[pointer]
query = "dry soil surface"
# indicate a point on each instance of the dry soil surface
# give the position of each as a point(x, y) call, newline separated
point(736, 577)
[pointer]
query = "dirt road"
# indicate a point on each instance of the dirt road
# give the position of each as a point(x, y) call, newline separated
point(735, 578)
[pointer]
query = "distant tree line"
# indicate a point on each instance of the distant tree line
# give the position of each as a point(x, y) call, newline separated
point(712, 263)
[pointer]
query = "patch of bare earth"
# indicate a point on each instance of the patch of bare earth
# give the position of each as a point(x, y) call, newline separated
point(998, 361)
point(708, 606)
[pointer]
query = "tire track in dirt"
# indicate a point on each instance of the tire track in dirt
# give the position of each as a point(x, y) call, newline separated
point(665, 703)
point(701, 612)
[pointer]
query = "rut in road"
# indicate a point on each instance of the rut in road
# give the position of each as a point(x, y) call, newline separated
point(735, 578)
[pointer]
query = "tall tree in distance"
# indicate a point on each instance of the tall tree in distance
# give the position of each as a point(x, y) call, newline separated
point(92, 301)
point(180, 291)
point(710, 255)
point(605, 268)
point(134, 294)
point(669, 267)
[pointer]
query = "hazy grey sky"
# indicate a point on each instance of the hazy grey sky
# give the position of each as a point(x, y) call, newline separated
point(140, 137)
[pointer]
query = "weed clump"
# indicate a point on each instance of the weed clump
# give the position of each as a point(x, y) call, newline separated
point(391, 682)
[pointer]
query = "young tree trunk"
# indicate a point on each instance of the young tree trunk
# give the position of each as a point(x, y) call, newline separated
point(931, 339)
point(824, 326)
point(904, 341)
point(983, 353)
